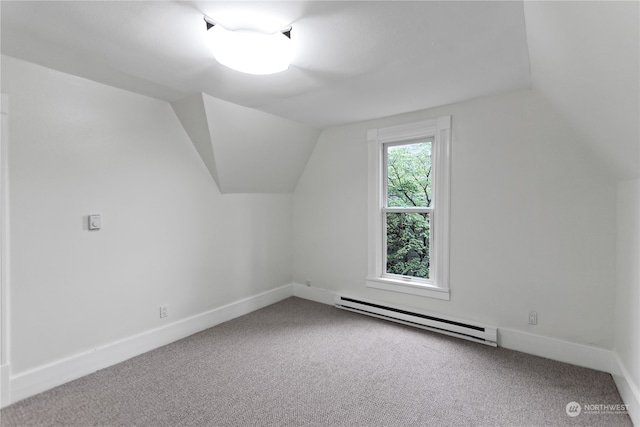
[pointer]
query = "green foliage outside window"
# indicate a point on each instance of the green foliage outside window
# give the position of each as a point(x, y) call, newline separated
point(408, 185)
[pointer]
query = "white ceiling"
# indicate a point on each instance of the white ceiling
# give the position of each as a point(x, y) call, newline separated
point(354, 60)
point(234, 141)
point(361, 60)
point(585, 60)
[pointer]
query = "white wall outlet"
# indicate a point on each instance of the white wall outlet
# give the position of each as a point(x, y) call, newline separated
point(308, 283)
point(164, 311)
point(533, 318)
point(95, 222)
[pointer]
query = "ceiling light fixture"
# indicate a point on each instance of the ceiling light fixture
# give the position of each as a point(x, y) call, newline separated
point(250, 51)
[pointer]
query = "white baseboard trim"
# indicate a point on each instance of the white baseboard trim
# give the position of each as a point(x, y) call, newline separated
point(551, 348)
point(29, 383)
point(629, 391)
point(4, 386)
point(314, 294)
point(556, 349)
point(45, 377)
point(580, 355)
point(538, 345)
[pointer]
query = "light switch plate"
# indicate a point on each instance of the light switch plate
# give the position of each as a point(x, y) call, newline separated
point(95, 222)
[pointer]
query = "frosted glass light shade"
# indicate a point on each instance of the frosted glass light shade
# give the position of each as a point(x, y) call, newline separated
point(250, 51)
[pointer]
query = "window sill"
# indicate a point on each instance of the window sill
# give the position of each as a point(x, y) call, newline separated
point(400, 286)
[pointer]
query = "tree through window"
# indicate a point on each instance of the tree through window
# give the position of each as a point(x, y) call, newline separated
point(408, 172)
point(408, 217)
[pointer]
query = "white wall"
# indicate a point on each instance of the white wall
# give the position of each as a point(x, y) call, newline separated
point(627, 319)
point(591, 77)
point(533, 220)
point(279, 148)
point(268, 153)
point(168, 237)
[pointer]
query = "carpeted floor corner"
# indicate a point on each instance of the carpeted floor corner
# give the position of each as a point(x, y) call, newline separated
point(300, 363)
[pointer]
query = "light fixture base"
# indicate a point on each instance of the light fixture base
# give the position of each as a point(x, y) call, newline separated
point(250, 51)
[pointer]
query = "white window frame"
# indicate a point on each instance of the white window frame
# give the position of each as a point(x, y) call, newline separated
point(438, 131)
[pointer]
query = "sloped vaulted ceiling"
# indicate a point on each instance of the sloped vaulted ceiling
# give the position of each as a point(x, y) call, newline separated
point(246, 150)
point(585, 60)
point(354, 60)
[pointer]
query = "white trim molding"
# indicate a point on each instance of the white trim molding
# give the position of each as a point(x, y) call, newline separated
point(5, 393)
point(45, 377)
point(314, 294)
point(5, 295)
point(538, 345)
point(586, 356)
point(580, 355)
point(629, 391)
point(439, 131)
point(404, 287)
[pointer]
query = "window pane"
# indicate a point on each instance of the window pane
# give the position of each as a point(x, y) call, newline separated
point(408, 244)
point(409, 175)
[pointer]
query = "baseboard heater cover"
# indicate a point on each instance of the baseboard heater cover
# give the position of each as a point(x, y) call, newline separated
point(471, 331)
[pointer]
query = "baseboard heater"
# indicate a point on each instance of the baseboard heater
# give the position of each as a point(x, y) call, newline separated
point(445, 325)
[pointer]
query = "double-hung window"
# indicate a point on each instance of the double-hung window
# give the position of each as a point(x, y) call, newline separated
point(409, 208)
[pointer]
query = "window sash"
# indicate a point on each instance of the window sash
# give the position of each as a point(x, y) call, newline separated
point(406, 209)
point(401, 209)
point(438, 131)
point(432, 254)
point(385, 166)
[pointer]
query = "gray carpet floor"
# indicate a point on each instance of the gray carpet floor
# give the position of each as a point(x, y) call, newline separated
point(300, 363)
